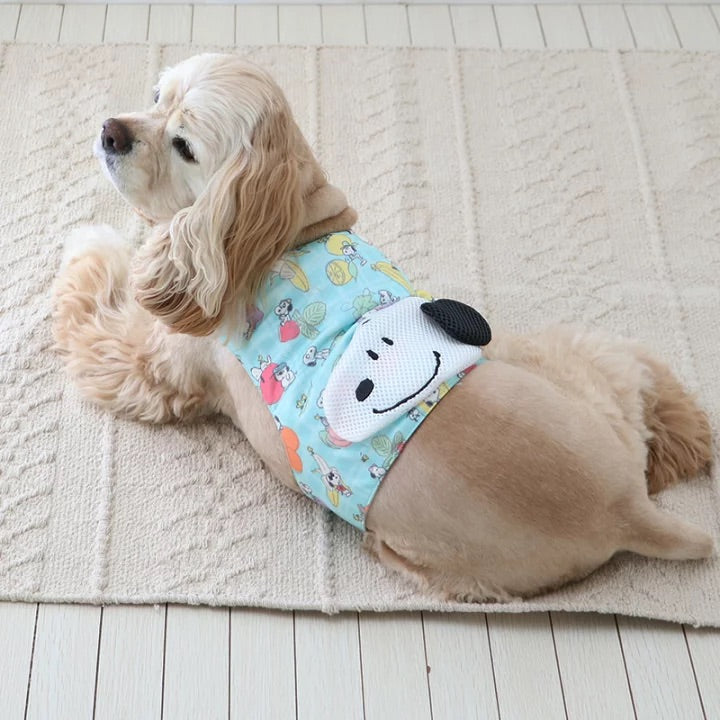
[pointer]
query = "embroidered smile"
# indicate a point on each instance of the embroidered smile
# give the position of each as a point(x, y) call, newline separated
point(417, 392)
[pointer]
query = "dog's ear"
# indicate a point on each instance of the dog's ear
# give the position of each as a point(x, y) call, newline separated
point(217, 252)
point(269, 196)
point(180, 273)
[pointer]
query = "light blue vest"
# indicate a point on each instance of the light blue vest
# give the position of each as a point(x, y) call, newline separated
point(316, 301)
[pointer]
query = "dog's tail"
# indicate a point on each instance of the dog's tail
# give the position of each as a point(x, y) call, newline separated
point(680, 445)
point(654, 533)
point(121, 357)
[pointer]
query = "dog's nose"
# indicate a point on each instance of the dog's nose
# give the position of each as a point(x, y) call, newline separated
point(115, 137)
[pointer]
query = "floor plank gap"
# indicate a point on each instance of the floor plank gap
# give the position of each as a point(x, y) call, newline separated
point(627, 675)
point(692, 665)
point(97, 663)
point(557, 665)
point(542, 29)
point(229, 671)
point(32, 657)
point(295, 662)
point(492, 664)
point(162, 682)
point(584, 22)
point(632, 34)
point(497, 32)
point(674, 27)
point(427, 666)
point(362, 678)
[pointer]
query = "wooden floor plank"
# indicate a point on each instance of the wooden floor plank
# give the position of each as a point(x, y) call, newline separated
point(430, 25)
point(459, 667)
point(170, 23)
point(526, 673)
point(327, 667)
point(299, 24)
point(256, 24)
point(343, 25)
point(591, 665)
point(519, 27)
point(652, 27)
point(83, 23)
point(474, 26)
point(607, 26)
point(704, 644)
point(393, 666)
point(9, 15)
point(563, 26)
point(213, 25)
point(387, 25)
point(17, 630)
point(39, 23)
point(696, 27)
point(130, 663)
point(126, 23)
point(262, 670)
point(62, 682)
point(659, 670)
point(197, 663)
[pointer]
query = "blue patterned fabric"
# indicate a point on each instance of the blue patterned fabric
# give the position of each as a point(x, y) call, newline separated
point(304, 319)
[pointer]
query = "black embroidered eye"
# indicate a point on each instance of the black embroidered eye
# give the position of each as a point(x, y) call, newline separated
point(181, 145)
point(156, 95)
point(373, 354)
point(387, 341)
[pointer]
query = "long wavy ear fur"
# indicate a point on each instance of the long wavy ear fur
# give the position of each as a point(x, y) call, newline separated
point(180, 274)
point(215, 254)
point(270, 201)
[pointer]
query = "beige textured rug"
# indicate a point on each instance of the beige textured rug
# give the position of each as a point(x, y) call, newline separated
point(578, 186)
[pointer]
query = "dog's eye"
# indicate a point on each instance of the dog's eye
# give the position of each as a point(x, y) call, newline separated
point(180, 144)
point(156, 95)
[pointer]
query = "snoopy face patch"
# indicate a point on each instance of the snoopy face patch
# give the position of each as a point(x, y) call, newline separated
point(398, 356)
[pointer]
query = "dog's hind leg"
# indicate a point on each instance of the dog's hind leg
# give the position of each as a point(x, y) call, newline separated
point(654, 533)
point(121, 357)
point(639, 395)
point(676, 430)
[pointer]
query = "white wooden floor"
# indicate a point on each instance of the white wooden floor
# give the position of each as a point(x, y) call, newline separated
point(641, 25)
point(124, 663)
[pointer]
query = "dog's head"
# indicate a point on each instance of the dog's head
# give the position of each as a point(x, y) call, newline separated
point(221, 169)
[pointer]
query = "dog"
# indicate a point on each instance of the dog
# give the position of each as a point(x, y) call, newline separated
point(532, 472)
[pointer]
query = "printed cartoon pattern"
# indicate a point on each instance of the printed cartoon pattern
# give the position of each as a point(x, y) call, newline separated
point(302, 322)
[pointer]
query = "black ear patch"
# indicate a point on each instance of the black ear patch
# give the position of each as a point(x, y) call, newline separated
point(459, 321)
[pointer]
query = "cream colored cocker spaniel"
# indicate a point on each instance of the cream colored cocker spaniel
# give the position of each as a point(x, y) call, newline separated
point(532, 472)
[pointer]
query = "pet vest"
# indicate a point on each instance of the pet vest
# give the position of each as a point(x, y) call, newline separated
point(350, 360)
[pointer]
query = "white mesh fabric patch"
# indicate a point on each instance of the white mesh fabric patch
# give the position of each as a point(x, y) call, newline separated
point(396, 359)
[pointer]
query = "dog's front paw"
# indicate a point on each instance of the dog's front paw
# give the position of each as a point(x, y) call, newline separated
point(86, 238)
